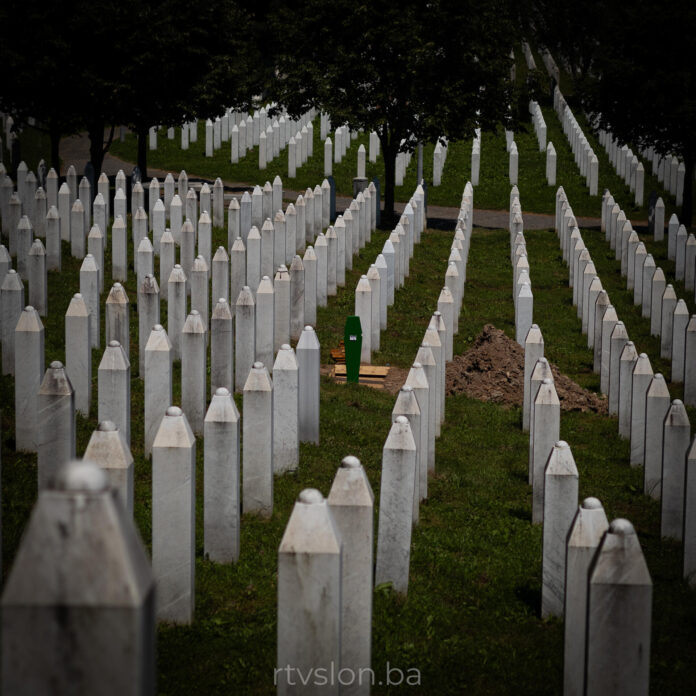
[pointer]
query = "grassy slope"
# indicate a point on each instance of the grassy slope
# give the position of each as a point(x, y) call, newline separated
point(471, 618)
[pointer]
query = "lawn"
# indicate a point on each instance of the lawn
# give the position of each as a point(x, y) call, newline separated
point(471, 620)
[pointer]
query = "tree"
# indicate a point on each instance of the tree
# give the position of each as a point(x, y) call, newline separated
point(81, 65)
point(35, 69)
point(635, 74)
point(411, 71)
point(184, 60)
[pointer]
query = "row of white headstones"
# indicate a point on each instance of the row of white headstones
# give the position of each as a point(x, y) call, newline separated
point(266, 250)
point(244, 132)
point(82, 318)
point(326, 549)
point(173, 448)
point(585, 158)
point(670, 170)
point(582, 555)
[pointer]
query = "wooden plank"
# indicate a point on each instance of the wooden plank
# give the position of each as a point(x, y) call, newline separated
point(378, 384)
point(365, 371)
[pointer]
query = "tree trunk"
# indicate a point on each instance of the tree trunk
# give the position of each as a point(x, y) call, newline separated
point(687, 210)
point(54, 135)
point(389, 153)
point(143, 134)
point(96, 144)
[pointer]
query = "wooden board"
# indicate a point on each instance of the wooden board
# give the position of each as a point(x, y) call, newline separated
point(370, 375)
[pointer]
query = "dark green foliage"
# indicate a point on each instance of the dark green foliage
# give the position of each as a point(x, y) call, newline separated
point(400, 69)
point(634, 70)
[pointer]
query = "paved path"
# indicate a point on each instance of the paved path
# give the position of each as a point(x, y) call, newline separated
point(75, 150)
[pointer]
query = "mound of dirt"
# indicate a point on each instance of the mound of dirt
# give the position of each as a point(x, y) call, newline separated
point(493, 370)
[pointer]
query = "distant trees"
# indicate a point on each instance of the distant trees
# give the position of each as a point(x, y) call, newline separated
point(634, 70)
point(81, 65)
point(411, 71)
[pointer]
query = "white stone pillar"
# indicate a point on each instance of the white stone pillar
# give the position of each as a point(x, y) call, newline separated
point(321, 251)
point(109, 451)
point(119, 250)
point(221, 503)
point(309, 567)
point(523, 312)
point(238, 272)
point(657, 289)
point(297, 297)
point(264, 321)
point(396, 507)
point(309, 363)
point(690, 362)
point(363, 309)
point(38, 281)
point(174, 517)
point(193, 370)
point(257, 467)
point(176, 310)
point(221, 347)
point(675, 445)
point(117, 318)
point(309, 262)
point(641, 378)
point(114, 388)
point(560, 505)
point(619, 610)
point(657, 404)
point(533, 350)
point(406, 404)
point(98, 549)
point(56, 424)
point(351, 502)
point(158, 382)
point(680, 320)
point(285, 411)
point(617, 341)
point(78, 352)
point(418, 382)
point(28, 372)
point(545, 427)
point(585, 535)
point(253, 258)
point(668, 305)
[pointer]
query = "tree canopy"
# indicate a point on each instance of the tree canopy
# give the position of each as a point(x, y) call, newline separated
point(76, 65)
point(634, 71)
point(411, 71)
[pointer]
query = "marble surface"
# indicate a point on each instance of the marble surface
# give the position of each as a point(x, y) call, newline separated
point(221, 478)
point(257, 438)
point(586, 532)
point(560, 505)
point(174, 517)
point(158, 382)
point(95, 590)
point(309, 593)
point(396, 507)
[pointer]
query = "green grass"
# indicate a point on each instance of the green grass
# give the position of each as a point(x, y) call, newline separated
point(493, 191)
point(471, 622)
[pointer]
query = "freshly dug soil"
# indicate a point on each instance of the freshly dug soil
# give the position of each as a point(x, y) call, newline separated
point(493, 370)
